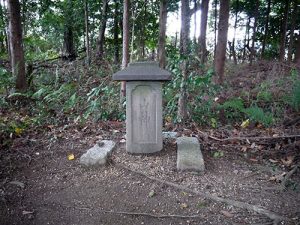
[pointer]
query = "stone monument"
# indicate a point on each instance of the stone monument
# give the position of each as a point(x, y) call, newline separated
point(143, 106)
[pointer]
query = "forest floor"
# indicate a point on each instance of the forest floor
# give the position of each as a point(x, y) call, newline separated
point(40, 185)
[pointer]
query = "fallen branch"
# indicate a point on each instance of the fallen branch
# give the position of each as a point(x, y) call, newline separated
point(287, 177)
point(142, 214)
point(248, 138)
point(276, 218)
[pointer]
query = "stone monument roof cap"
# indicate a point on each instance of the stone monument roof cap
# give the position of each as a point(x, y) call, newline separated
point(147, 70)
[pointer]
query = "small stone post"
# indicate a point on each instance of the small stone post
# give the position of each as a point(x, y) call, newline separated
point(143, 106)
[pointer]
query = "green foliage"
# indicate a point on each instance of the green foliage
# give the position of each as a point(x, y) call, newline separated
point(6, 81)
point(294, 96)
point(103, 103)
point(201, 93)
point(257, 114)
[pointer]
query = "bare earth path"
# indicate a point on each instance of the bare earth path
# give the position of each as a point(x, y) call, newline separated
point(59, 191)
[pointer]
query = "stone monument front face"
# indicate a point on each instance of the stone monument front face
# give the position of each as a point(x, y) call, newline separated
point(143, 106)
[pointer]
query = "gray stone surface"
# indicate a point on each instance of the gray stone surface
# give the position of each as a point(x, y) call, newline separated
point(189, 155)
point(169, 135)
point(98, 154)
point(137, 71)
point(143, 117)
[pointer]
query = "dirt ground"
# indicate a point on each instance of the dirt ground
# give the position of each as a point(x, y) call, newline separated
point(39, 185)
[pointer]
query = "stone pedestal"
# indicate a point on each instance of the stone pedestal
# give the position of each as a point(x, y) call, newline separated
point(143, 117)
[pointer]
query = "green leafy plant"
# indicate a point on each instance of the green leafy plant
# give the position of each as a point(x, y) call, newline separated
point(257, 114)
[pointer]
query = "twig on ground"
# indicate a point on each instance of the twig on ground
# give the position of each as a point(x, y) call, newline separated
point(276, 218)
point(248, 138)
point(142, 213)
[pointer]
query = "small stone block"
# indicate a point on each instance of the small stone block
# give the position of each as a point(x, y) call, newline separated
point(189, 155)
point(98, 154)
point(169, 135)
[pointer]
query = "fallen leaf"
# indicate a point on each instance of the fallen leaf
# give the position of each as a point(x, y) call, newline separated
point(71, 157)
point(18, 130)
point(183, 206)
point(245, 123)
point(226, 213)
point(244, 149)
point(253, 160)
point(278, 178)
point(151, 193)
point(288, 161)
point(253, 145)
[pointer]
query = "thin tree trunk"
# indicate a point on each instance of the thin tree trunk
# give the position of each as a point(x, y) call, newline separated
point(234, 34)
point(219, 61)
point(6, 30)
point(253, 52)
point(133, 17)
point(297, 54)
point(125, 55)
point(16, 44)
point(185, 30)
point(87, 41)
point(24, 17)
point(203, 28)
point(215, 26)
point(162, 33)
point(247, 38)
point(293, 24)
point(116, 33)
point(2, 33)
point(101, 38)
point(195, 23)
point(142, 34)
point(283, 32)
point(266, 29)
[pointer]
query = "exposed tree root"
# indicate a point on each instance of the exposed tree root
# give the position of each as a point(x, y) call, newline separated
point(247, 138)
point(258, 209)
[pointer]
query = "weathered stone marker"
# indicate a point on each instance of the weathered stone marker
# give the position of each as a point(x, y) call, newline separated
point(189, 155)
point(143, 106)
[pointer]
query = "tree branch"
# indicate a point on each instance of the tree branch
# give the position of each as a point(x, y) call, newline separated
point(258, 209)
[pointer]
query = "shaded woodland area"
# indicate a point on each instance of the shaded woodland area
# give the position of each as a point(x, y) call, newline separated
point(235, 86)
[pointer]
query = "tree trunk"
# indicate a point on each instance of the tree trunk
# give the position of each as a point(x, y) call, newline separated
point(142, 34)
point(162, 33)
point(246, 39)
point(101, 38)
point(2, 33)
point(253, 52)
point(215, 26)
point(203, 28)
point(234, 35)
point(87, 41)
point(68, 45)
point(266, 29)
point(116, 33)
point(219, 60)
point(24, 9)
point(283, 31)
point(297, 54)
point(16, 44)
point(185, 30)
point(195, 22)
point(293, 24)
point(125, 55)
